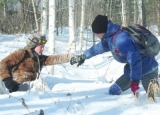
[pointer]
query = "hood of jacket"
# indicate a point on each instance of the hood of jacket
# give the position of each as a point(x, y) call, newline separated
point(111, 29)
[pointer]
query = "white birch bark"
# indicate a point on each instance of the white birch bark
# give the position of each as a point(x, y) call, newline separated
point(140, 12)
point(82, 25)
point(4, 8)
point(44, 17)
point(124, 16)
point(71, 27)
point(35, 15)
point(51, 33)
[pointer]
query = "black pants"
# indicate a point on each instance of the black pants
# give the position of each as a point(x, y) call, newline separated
point(124, 83)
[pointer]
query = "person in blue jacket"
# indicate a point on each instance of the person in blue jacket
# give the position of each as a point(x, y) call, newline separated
point(124, 50)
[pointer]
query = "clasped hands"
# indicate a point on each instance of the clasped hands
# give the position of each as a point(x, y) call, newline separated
point(79, 59)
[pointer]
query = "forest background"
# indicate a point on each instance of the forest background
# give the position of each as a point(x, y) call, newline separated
point(51, 17)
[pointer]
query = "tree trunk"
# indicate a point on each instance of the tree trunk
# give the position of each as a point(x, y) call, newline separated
point(124, 16)
point(129, 12)
point(143, 14)
point(4, 8)
point(35, 15)
point(140, 12)
point(71, 27)
point(82, 25)
point(44, 17)
point(110, 10)
point(158, 10)
point(51, 33)
point(135, 11)
point(108, 7)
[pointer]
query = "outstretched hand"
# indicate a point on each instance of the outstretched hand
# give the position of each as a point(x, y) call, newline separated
point(79, 59)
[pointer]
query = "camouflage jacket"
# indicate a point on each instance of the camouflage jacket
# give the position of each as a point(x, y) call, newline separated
point(29, 67)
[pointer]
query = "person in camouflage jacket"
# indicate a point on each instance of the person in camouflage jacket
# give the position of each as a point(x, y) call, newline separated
point(25, 64)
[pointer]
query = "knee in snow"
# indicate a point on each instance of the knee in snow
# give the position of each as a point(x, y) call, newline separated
point(115, 90)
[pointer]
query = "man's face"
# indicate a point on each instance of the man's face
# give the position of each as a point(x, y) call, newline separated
point(39, 49)
point(99, 35)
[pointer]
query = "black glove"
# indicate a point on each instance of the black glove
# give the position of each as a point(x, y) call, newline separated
point(10, 84)
point(77, 59)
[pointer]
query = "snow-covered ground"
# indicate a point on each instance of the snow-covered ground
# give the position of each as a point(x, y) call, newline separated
point(73, 90)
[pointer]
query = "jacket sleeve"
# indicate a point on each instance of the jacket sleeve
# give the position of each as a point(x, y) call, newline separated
point(95, 50)
point(130, 51)
point(57, 59)
point(135, 62)
point(9, 62)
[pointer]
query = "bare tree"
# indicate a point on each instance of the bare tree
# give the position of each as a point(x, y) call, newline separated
point(51, 33)
point(22, 16)
point(129, 12)
point(82, 24)
point(140, 12)
point(4, 8)
point(44, 17)
point(124, 16)
point(143, 14)
point(158, 10)
point(71, 26)
point(35, 15)
point(135, 11)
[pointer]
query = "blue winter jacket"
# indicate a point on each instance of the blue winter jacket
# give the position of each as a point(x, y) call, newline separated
point(124, 50)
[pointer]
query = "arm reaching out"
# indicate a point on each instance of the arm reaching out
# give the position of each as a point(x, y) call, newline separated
point(79, 59)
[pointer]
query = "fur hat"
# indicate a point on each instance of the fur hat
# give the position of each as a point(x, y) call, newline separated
point(35, 39)
point(99, 25)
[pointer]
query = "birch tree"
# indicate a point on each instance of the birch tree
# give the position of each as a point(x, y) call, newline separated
point(4, 8)
point(51, 33)
point(108, 7)
point(82, 25)
point(35, 15)
point(44, 16)
point(129, 12)
point(140, 12)
point(124, 16)
point(71, 27)
point(135, 11)
point(158, 19)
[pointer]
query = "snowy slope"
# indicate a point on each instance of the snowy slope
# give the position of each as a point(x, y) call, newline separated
point(73, 90)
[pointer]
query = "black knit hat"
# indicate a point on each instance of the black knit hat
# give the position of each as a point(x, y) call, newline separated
point(99, 25)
